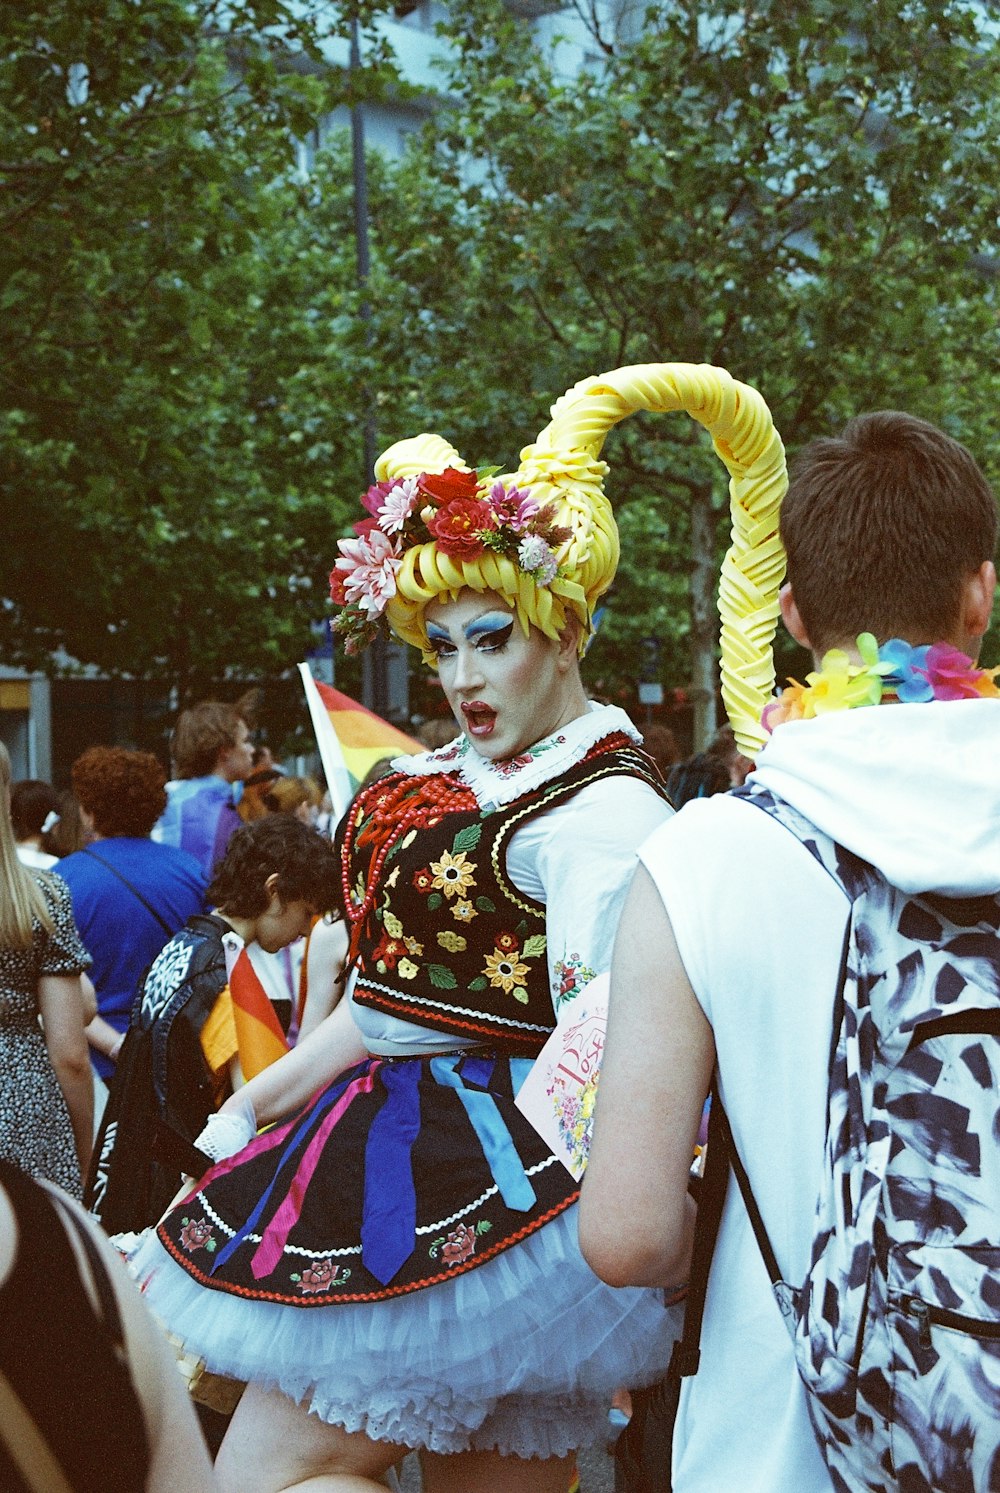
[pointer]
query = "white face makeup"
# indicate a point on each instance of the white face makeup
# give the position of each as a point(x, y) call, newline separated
point(507, 691)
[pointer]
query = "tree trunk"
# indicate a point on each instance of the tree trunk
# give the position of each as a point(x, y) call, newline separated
point(703, 617)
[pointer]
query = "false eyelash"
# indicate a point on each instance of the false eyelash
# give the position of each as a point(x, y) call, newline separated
point(495, 642)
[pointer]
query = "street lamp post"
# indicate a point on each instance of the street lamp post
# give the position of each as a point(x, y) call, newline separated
point(375, 676)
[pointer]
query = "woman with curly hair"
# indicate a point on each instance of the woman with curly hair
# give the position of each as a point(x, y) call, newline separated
point(129, 893)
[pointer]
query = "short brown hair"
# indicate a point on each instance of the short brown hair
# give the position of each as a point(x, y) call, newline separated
point(201, 734)
point(882, 524)
point(123, 790)
point(304, 861)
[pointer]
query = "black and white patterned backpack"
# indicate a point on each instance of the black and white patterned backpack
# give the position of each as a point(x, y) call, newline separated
point(896, 1328)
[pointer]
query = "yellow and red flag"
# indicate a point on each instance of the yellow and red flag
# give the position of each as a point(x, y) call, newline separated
point(259, 1038)
point(350, 738)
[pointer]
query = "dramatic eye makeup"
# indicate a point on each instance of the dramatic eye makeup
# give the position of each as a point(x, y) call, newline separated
point(491, 632)
point(438, 639)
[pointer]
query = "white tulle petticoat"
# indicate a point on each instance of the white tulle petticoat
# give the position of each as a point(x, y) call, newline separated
point(519, 1355)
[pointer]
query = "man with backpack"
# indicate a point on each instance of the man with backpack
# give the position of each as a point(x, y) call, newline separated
point(825, 941)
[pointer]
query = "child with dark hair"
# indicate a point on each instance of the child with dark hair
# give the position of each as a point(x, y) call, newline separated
point(182, 1055)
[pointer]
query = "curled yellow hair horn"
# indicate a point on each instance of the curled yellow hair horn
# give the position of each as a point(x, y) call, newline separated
point(419, 453)
point(743, 434)
point(562, 468)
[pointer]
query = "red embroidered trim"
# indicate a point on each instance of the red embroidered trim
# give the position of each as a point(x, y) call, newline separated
point(447, 1022)
point(190, 1268)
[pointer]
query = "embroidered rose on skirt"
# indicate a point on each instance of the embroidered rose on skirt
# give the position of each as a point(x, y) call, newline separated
point(197, 1234)
point(320, 1276)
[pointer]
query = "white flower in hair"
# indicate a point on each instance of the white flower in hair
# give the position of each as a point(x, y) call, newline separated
point(535, 557)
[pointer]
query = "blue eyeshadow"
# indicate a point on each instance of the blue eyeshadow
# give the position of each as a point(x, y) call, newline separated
point(492, 622)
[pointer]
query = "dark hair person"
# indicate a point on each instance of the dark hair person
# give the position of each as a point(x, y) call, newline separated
point(129, 893)
point(183, 1055)
point(34, 813)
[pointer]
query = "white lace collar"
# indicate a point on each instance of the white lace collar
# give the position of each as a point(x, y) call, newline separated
point(496, 783)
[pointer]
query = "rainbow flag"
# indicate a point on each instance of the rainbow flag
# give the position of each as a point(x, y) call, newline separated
point(350, 738)
point(259, 1038)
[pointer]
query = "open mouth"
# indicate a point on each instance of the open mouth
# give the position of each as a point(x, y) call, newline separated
point(479, 718)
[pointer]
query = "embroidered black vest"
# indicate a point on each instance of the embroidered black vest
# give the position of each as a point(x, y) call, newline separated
point(440, 934)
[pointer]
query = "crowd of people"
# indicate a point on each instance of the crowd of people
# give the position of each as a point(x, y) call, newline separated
point(309, 1041)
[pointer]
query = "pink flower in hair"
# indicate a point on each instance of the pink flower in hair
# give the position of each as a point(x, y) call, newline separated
point(368, 567)
point(514, 507)
point(399, 503)
point(375, 497)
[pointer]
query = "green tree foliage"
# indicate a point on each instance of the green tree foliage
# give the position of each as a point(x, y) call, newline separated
point(802, 194)
point(151, 527)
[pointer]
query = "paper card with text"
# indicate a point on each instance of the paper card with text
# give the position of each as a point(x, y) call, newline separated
point(559, 1092)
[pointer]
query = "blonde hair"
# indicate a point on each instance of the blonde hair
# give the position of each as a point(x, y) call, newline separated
point(22, 904)
point(562, 467)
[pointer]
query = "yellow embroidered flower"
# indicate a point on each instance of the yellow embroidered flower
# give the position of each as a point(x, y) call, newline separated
point(392, 925)
point(464, 911)
point(504, 970)
point(453, 942)
point(413, 946)
point(406, 968)
point(452, 873)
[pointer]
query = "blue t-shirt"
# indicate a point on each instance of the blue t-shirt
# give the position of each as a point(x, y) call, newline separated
point(122, 935)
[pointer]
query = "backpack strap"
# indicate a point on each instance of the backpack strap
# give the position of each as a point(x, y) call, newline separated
point(686, 1353)
point(133, 889)
point(785, 1295)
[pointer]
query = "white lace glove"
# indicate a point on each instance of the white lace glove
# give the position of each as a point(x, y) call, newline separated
point(225, 1134)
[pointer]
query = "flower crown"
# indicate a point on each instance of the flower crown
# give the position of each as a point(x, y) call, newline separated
point(458, 511)
point(895, 671)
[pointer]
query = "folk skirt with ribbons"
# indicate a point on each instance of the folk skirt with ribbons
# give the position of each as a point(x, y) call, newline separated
point(401, 1255)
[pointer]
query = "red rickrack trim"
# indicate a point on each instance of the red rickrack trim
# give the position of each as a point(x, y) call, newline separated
point(378, 1001)
point(232, 1289)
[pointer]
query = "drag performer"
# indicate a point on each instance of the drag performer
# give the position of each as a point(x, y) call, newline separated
point(394, 1263)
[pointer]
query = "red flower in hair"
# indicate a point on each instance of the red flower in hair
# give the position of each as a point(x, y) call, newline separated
point(457, 526)
point(365, 526)
point(337, 593)
point(444, 487)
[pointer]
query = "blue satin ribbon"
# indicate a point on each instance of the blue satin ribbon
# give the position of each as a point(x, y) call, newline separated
point(290, 1148)
point(519, 1070)
point(494, 1137)
point(477, 1071)
point(389, 1213)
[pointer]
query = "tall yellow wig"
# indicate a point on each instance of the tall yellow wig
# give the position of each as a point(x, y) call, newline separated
point(562, 468)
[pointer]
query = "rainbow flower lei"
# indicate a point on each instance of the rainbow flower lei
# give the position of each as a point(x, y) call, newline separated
point(460, 512)
point(896, 670)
